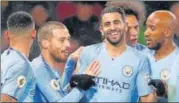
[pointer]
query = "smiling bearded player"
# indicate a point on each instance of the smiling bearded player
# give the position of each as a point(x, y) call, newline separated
point(120, 79)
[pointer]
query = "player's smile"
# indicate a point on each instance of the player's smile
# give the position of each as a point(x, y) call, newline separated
point(133, 41)
point(113, 35)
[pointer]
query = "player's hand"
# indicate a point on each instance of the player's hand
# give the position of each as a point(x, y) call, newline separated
point(75, 55)
point(93, 69)
point(82, 81)
point(159, 86)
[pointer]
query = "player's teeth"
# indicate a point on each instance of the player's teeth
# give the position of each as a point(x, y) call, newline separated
point(113, 33)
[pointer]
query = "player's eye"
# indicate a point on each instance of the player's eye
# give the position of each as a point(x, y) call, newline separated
point(69, 39)
point(117, 22)
point(136, 27)
point(152, 28)
point(107, 24)
point(61, 40)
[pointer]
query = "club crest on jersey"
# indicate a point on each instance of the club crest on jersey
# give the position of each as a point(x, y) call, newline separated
point(165, 74)
point(54, 84)
point(127, 71)
point(21, 81)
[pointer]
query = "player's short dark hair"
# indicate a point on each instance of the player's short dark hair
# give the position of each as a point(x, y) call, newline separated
point(20, 22)
point(112, 9)
point(45, 31)
point(136, 8)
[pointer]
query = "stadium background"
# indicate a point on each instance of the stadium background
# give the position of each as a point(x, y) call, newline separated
point(59, 10)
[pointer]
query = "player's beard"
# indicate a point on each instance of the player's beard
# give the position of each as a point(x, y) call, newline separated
point(156, 47)
point(121, 32)
point(57, 55)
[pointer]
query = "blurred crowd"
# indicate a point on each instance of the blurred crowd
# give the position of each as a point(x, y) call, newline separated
point(80, 17)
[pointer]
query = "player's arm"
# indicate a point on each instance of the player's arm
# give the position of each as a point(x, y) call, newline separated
point(82, 65)
point(70, 66)
point(92, 70)
point(159, 89)
point(7, 98)
point(53, 93)
point(149, 98)
point(144, 90)
point(11, 89)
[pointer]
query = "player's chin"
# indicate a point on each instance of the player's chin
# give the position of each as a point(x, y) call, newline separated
point(150, 46)
point(64, 58)
point(133, 42)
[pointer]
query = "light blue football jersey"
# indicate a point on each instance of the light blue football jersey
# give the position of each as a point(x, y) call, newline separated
point(177, 83)
point(17, 79)
point(173, 85)
point(140, 47)
point(70, 66)
point(161, 69)
point(48, 87)
point(122, 79)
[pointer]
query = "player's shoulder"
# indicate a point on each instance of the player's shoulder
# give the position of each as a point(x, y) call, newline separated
point(11, 57)
point(13, 64)
point(177, 51)
point(176, 62)
point(137, 54)
point(40, 68)
point(37, 61)
point(37, 64)
point(93, 48)
point(89, 53)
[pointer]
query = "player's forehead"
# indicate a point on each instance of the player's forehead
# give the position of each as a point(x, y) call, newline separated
point(153, 20)
point(60, 33)
point(109, 17)
point(131, 20)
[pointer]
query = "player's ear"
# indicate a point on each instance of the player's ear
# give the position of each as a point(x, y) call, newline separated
point(126, 27)
point(45, 44)
point(167, 32)
point(6, 34)
point(100, 29)
point(33, 34)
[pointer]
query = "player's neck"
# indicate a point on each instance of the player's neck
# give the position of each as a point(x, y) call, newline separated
point(115, 51)
point(165, 50)
point(23, 46)
point(61, 67)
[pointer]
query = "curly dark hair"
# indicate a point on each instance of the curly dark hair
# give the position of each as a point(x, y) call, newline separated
point(110, 9)
point(131, 7)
